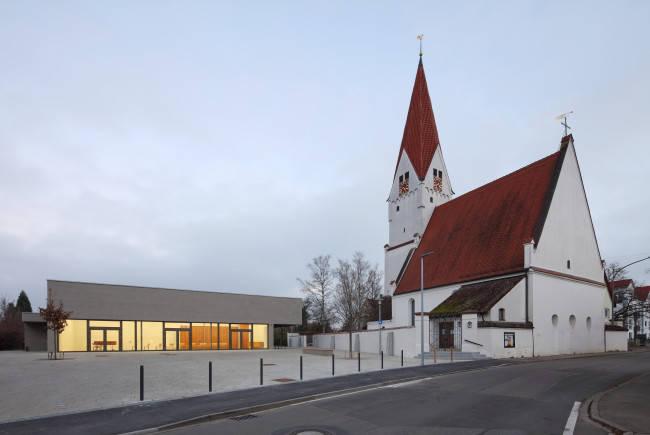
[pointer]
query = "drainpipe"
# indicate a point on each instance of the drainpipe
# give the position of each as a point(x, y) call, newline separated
point(527, 294)
point(528, 256)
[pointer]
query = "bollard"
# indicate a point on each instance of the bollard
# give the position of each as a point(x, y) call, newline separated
point(382, 359)
point(261, 371)
point(402, 357)
point(359, 359)
point(434, 355)
point(301, 367)
point(210, 376)
point(452, 354)
point(332, 364)
point(141, 383)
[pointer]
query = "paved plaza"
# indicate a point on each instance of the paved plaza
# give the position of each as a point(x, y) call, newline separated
point(35, 386)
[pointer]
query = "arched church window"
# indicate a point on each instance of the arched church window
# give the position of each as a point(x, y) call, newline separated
point(412, 312)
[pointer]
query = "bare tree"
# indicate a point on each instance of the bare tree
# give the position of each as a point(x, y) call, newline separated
point(357, 281)
point(56, 319)
point(628, 304)
point(375, 277)
point(318, 291)
point(614, 272)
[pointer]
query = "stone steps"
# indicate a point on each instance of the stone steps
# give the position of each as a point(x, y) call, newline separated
point(445, 355)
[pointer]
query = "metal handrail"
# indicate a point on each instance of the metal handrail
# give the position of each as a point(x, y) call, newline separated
point(478, 344)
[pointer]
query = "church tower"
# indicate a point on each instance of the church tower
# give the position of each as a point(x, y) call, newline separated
point(420, 183)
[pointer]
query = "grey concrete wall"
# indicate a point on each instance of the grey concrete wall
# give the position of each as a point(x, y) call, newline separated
point(118, 302)
point(35, 332)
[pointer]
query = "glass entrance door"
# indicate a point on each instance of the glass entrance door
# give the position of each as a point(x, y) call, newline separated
point(240, 339)
point(177, 339)
point(171, 340)
point(104, 339)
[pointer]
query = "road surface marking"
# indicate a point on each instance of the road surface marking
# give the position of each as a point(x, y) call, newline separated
point(573, 419)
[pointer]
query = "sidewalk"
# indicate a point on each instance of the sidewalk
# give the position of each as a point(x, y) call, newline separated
point(624, 407)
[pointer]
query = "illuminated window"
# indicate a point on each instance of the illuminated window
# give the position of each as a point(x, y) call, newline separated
point(201, 336)
point(128, 336)
point(260, 336)
point(152, 336)
point(104, 323)
point(224, 336)
point(74, 337)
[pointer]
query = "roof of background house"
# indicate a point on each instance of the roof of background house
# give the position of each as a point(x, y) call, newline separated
point(642, 293)
point(479, 297)
point(420, 138)
point(622, 283)
point(481, 233)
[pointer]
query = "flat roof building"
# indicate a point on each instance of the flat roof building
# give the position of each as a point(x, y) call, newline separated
point(108, 317)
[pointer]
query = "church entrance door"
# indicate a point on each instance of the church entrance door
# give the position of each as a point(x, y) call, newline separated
point(446, 338)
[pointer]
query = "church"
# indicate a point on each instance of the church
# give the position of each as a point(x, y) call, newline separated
point(509, 269)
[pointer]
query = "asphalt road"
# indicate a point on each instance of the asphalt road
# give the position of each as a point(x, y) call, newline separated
point(531, 397)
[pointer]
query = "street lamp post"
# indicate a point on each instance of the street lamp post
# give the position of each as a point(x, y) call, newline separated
point(379, 300)
point(422, 307)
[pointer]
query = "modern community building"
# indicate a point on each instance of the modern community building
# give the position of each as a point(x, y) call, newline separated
point(509, 269)
point(126, 318)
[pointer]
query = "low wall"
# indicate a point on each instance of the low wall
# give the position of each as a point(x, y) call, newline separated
point(368, 341)
point(616, 341)
point(493, 341)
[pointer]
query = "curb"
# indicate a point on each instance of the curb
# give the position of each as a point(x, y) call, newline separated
point(594, 402)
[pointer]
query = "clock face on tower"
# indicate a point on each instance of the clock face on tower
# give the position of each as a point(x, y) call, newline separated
point(403, 187)
point(437, 184)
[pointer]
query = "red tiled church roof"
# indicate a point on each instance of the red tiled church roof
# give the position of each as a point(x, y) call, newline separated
point(420, 138)
point(481, 233)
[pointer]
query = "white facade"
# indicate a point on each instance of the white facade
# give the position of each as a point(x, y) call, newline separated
point(563, 294)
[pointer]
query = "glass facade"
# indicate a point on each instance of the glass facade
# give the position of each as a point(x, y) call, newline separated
point(73, 337)
point(129, 335)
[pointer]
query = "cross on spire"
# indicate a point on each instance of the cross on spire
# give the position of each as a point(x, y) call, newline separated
point(564, 123)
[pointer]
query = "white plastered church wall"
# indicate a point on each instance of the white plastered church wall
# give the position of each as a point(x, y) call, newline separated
point(513, 304)
point(568, 235)
point(568, 318)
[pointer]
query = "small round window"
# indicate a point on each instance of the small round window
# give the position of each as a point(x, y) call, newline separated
point(554, 319)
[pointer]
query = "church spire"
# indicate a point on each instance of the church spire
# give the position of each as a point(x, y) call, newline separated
point(420, 139)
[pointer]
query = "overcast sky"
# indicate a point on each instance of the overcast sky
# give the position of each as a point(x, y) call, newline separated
point(220, 146)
